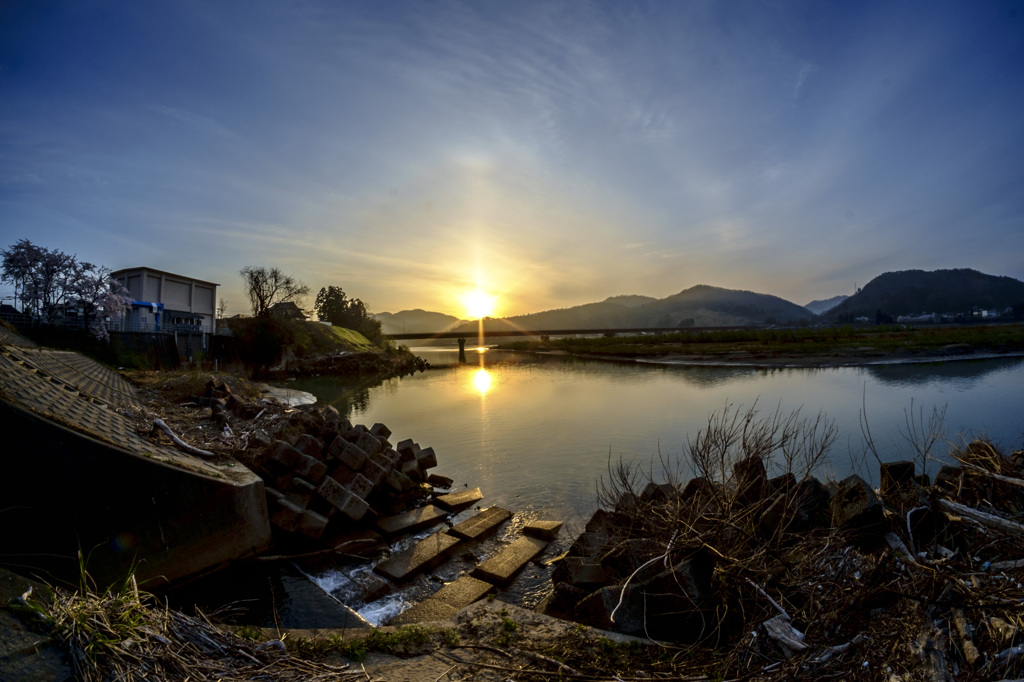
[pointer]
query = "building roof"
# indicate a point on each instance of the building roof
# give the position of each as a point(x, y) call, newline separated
point(287, 308)
point(122, 271)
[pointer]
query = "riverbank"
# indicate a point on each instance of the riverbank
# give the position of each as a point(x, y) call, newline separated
point(832, 347)
point(867, 358)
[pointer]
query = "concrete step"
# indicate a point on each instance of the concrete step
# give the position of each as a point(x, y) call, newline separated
point(411, 521)
point(422, 556)
point(424, 612)
point(501, 567)
point(480, 525)
point(443, 604)
point(545, 530)
point(459, 500)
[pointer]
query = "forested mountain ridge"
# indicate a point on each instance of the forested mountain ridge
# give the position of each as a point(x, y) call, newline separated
point(912, 292)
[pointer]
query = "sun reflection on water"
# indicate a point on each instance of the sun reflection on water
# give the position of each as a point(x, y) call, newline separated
point(482, 380)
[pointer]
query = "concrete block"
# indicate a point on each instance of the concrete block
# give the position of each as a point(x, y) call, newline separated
point(360, 486)
point(282, 455)
point(856, 508)
point(482, 524)
point(354, 433)
point(332, 491)
point(348, 454)
point(544, 530)
point(584, 572)
point(439, 481)
point(301, 492)
point(422, 556)
point(310, 445)
point(459, 500)
point(894, 475)
point(353, 506)
point(286, 516)
point(384, 462)
point(380, 431)
point(311, 525)
point(426, 458)
point(368, 444)
point(411, 469)
point(342, 474)
point(502, 567)
point(375, 472)
point(391, 456)
point(311, 469)
point(411, 521)
point(407, 450)
point(399, 482)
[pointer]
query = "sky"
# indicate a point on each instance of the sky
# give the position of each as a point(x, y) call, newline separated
point(547, 153)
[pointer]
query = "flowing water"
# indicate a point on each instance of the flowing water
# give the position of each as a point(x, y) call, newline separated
point(537, 433)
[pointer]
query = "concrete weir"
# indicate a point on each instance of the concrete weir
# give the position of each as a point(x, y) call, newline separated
point(77, 477)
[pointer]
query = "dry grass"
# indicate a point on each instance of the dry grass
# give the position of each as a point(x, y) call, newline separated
point(124, 634)
point(800, 601)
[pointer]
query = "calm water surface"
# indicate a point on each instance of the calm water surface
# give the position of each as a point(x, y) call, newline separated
point(536, 432)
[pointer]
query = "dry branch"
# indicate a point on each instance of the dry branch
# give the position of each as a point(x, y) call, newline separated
point(983, 518)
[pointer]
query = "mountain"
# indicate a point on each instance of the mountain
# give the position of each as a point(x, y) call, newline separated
point(821, 307)
point(700, 306)
point(630, 300)
point(910, 292)
point(710, 306)
point(415, 321)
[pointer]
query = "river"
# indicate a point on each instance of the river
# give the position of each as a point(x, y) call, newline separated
point(537, 432)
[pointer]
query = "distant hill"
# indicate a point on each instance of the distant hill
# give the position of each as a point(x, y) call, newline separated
point(910, 292)
point(698, 306)
point(630, 300)
point(710, 306)
point(821, 307)
point(415, 321)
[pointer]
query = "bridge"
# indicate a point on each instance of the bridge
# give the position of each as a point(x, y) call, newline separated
point(550, 332)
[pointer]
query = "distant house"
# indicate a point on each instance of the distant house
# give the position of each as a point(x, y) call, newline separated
point(287, 310)
point(165, 302)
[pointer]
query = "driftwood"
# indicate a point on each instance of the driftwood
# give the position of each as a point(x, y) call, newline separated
point(999, 477)
point(158, 424)
point(963, 633)
point(983, 518)
point(1004, 565)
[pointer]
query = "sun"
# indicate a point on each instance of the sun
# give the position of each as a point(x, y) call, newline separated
point(479, 304)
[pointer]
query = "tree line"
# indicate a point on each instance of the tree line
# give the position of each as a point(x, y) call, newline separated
point(266, 287)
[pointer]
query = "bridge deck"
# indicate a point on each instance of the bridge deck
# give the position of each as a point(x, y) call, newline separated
point(552, 332)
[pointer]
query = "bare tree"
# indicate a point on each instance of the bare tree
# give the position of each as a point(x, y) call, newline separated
point(267, 287)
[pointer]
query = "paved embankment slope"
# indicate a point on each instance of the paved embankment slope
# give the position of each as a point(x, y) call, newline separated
point(77, 476)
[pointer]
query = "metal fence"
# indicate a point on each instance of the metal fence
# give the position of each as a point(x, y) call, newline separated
point(163, 328)
point(20, 320)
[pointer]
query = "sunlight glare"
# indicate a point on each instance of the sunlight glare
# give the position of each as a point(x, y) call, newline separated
point(479, 304)
point(482, 380)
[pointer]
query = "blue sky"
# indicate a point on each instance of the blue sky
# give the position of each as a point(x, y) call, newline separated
point(552, 153)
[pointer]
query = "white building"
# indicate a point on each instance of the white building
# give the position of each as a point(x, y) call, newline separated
point(165, 302)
